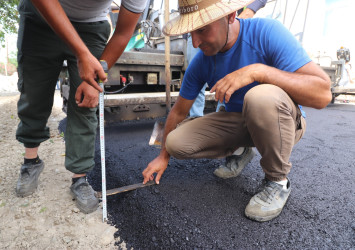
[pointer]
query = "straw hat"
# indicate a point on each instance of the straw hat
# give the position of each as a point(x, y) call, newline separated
point(195, 14)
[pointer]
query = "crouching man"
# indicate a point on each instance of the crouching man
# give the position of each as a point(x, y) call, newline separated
point(263, 74)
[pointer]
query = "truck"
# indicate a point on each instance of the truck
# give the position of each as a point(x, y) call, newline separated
point(339, 75)
point(136, 83)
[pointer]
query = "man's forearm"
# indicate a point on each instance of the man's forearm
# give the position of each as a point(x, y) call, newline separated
point(114, 49)
point(308, 86)
point(125, 26)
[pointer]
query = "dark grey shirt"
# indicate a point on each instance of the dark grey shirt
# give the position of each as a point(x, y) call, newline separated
point(96, 10)
point(255, 6)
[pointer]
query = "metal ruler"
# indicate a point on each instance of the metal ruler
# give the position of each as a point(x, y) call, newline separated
point(125, 189)
point(102, 145)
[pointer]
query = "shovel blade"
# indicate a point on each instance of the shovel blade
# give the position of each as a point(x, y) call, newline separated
point(157, 134)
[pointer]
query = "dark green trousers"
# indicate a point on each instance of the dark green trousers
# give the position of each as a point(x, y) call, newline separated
point(40, 58)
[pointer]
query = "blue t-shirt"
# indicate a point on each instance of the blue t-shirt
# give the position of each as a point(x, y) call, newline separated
point(260, 40)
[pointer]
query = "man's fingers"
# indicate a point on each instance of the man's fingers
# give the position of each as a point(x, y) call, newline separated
point(93, 83)
point(220, 92)
point(87, 103)
point(218, 96)
point(213, 89)
point(218, 89)
point(145, 180)
point(78, 95)
point(157, 178)
point(84, 104)
point(102, 75)
point(146, 176)
point(228, 95)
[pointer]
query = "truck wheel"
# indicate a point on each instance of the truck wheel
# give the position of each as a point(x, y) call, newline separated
point(333, 99)
point(64, 91)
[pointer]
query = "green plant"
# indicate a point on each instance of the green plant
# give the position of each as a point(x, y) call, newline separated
point(9, 18)
point(43, 209)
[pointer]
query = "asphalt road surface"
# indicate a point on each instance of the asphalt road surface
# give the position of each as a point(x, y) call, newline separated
point(193, 209)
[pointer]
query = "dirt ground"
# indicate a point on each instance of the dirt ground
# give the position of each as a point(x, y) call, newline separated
point(48, 219)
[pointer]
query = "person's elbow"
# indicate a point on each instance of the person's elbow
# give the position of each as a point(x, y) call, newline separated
point(326, 94)
point(327, 98)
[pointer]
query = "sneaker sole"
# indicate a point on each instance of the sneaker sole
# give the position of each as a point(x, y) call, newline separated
point(262, 219)
point(83, 208)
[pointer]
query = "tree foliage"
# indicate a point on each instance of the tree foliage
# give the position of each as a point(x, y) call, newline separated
point(9, 18)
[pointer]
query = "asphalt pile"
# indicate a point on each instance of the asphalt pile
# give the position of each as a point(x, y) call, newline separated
point(193, 209)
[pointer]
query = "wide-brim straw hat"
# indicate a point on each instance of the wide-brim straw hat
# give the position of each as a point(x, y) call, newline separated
point(194, 14)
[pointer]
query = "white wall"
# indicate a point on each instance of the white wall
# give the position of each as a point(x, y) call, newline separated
point(328, 24)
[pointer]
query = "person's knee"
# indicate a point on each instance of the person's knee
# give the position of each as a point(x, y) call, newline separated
point(172, 145)
point(178, 146)
point(263, 105)
point(261, 95)
point(265, 98)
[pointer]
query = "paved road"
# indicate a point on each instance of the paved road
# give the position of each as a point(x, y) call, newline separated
point(193, 209)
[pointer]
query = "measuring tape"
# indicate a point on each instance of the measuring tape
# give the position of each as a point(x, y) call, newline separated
point(102, 144)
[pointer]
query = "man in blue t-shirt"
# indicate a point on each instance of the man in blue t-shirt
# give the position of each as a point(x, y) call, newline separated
point(199, 104)
point(235, 162)
point(262, 74)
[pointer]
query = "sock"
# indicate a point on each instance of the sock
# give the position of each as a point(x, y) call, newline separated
point(32, 161)
point(239, 151)
point(283, 183)
point(73, 180)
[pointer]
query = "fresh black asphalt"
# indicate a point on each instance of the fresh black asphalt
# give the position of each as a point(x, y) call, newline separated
point(193, 209)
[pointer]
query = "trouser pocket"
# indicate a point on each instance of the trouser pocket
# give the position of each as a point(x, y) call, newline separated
point(300, 125)
point(20, 73)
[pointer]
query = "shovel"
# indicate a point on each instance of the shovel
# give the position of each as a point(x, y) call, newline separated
point(157, 134)
point(158, 130)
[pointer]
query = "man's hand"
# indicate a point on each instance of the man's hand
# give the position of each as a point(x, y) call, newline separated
point(158, 165)
point(86, 96)
point(225, 87)
point(89, 69)
point(247, 13)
